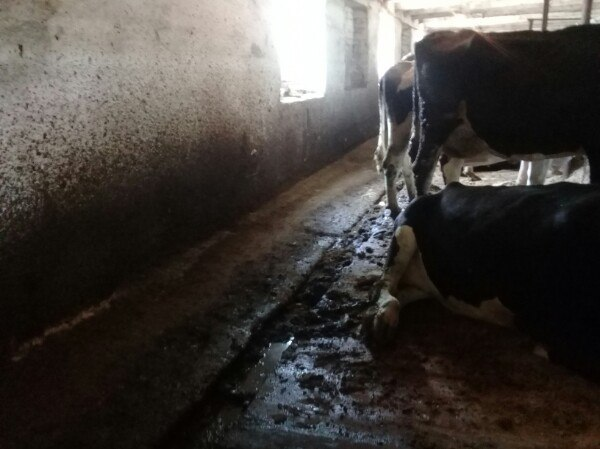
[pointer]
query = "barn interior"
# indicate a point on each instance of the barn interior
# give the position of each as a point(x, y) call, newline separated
point(191, 225)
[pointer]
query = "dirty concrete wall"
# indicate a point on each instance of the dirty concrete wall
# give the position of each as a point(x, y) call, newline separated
point(129, 128)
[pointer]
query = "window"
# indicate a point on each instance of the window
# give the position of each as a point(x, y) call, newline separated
point(357, 45)
point(298, 28)
point(386, 42)
point(406, 40)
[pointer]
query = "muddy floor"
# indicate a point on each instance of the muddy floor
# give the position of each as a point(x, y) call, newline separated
point(309, 379)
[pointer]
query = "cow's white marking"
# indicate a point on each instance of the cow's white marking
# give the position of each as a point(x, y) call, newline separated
point(522, 176)
point(406, 280)
point(533, 172)
point(407, 79)
point(490, 310)
point(395, 159)
point(452, 169)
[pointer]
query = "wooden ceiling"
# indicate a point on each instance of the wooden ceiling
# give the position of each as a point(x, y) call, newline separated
point(497, 15)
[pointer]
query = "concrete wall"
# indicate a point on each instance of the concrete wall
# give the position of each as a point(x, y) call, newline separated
point(131, 127)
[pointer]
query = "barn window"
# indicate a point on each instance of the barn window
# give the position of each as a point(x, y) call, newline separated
point(298, 28)
point(357, 45)
point(386, 42)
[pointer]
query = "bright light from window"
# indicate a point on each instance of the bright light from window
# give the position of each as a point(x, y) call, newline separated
point(298, 28)
point(386, 42)
point(417, 35)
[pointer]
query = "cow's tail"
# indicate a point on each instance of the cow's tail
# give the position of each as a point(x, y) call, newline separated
point(413, 147)
point(383, 128)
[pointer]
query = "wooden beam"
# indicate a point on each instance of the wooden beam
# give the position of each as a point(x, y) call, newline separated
point(476, 22)
point(587, 11)
point(516, 26)
point(474, 10)
point(510, 5)
point(505, 18)
point(402, 17)
point(545, 12)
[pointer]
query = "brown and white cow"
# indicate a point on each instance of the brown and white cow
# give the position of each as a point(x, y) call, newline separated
point(528, 95)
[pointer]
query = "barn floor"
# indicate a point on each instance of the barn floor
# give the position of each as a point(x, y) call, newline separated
point(252, 340)
point(308, 379)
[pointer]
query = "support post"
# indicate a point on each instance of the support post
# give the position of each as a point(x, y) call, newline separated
point(587, 11)
point(545, 15)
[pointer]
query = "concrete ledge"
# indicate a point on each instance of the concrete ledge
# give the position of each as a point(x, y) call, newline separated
point(120, 374)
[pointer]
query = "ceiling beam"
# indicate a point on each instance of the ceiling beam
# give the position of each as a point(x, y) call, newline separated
point(476, 22)
point(499, 12)
point(427, 5)
point(571, 7)
point(520, 26)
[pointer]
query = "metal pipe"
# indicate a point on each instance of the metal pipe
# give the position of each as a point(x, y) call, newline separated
point(587, 11)
point(545, 12)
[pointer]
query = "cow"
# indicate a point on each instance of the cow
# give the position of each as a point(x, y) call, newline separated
point(528, 95)
point(395, 121)
point(395, 125)
point(518, 255)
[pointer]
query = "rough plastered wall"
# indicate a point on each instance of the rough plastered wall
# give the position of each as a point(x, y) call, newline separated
point(131, 127)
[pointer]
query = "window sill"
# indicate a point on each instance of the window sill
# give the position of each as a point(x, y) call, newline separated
point(304, 97)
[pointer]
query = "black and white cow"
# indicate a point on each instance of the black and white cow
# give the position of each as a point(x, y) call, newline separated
point(395, 122)
point(395, 127)
point(529, 95)
point(527, 255)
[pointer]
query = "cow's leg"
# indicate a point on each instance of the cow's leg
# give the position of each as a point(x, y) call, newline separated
point(391, 173)
point(559, 166)
point(393, 296)
point(409, 176)
point(432, 136)
point(537, 172)
point(593, 155)
point(523, 170)
point(451, 168)
point(469, 172)
point(437, 122)
point(424, 166)
point(491, 310)
point(396, 161)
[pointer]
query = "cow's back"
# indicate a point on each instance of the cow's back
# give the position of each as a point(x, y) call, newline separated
point(523, 90)
point(397, 88)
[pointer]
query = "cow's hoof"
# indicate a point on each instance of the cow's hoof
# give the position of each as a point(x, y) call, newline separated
point(394, 212)
point(380, 327)
point(385, 322)
point(472, 176)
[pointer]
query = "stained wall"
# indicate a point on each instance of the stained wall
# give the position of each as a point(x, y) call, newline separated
point(129, 128)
